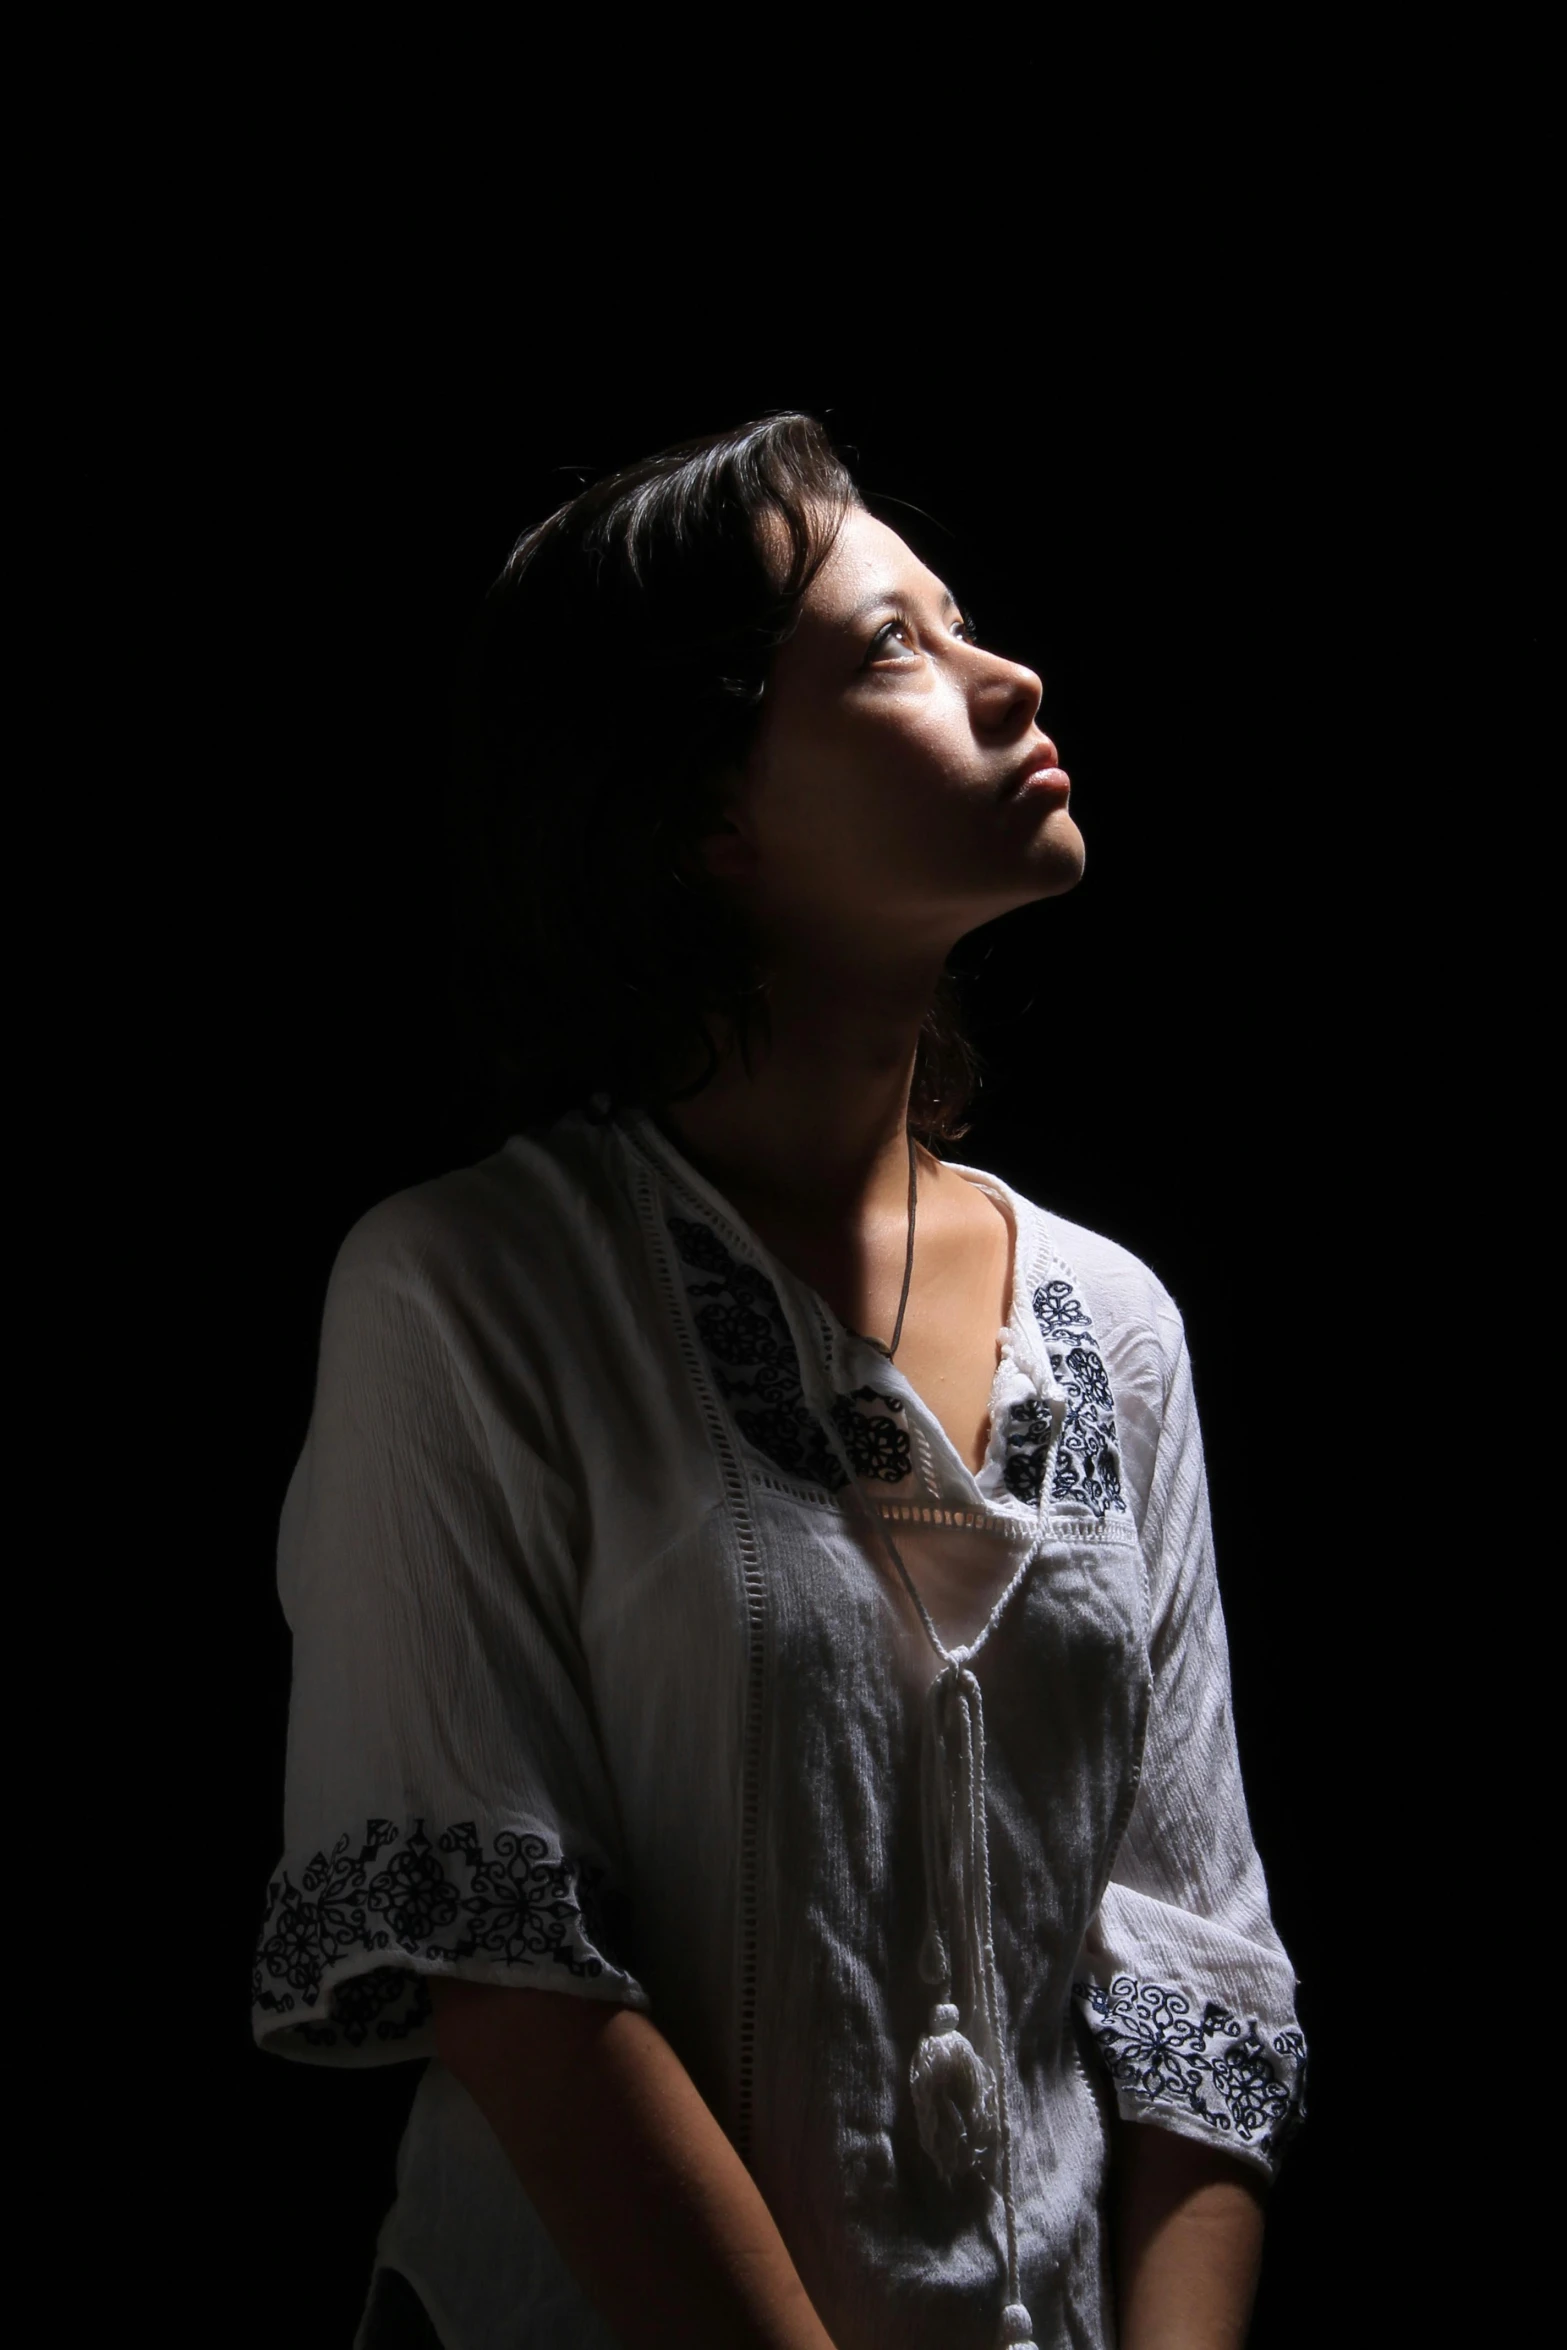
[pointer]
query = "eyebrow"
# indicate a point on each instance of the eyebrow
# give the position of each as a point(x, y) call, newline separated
point(949, 603)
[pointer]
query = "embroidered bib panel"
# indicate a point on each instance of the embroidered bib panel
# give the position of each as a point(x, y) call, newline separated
point(1053, 1441)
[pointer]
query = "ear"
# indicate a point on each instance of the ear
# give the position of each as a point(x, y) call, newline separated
point(723, 853)
point(726, 853)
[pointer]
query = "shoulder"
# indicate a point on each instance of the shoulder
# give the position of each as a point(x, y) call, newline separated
point(473, 1290)
point(1131, 1310)
point(512, 1222)
point(1133, 1325)
point(1134, 1317)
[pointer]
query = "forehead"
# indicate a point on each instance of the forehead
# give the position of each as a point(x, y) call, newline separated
point(868, 560)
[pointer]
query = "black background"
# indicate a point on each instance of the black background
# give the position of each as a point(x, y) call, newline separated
point(1223, 523)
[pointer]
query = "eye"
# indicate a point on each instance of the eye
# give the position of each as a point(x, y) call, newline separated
point(963, 628)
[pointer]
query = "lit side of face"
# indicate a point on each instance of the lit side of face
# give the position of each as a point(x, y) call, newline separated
point(880, 791)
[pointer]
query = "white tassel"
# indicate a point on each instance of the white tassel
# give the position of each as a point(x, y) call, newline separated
point(954, 2097)
point(1017, 2328)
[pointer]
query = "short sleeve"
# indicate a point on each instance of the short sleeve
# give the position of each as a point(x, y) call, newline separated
point(446, 1805)
point(1185, 1990)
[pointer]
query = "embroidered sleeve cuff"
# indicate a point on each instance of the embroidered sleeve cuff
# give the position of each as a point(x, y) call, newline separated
point(351, 1935)
point(1197, 2067)
point(1192, 2018)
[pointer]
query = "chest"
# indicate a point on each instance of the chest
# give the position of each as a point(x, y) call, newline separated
point(960, 1297)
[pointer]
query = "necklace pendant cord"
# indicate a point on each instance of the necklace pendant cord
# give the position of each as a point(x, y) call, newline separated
point(908, 1267)
point(908, 1261)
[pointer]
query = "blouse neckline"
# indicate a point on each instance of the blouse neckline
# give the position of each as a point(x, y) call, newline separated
point(1020, 1349)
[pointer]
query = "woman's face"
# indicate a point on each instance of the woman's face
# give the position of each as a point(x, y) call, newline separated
point(881, 798)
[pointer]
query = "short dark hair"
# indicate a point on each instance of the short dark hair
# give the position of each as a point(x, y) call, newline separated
point(617, 667)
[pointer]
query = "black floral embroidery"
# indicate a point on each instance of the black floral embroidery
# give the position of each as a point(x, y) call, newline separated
point(1028, 1441)
point(1088, 1459)
point(521, 1900)
point(876, 1443)
point(390, 1999)
point(1211, 2065)
point(754, 1360)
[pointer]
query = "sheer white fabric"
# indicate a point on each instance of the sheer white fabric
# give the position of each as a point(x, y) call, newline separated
point(603, 1682)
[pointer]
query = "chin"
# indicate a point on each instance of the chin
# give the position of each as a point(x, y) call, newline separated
point(1059, 852)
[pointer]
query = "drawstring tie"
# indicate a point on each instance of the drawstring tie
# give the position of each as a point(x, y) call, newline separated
point(957, 2078)
point(954, 2082)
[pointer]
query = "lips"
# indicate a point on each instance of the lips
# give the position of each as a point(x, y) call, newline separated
point(1041, 769)
point(1042, 779)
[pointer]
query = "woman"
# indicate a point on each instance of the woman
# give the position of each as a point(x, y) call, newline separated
point(760, 1718)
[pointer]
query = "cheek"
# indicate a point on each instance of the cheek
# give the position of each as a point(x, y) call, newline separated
point(875, 792)
point(890, 766)
point(924, 746)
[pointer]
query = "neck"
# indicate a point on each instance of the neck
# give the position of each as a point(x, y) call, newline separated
point(817, 1130)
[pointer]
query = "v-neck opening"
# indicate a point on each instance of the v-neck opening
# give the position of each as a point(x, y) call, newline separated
point(1014, 1336)
point(1004, 1339)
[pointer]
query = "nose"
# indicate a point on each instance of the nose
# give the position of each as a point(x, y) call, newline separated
point(1018, 692)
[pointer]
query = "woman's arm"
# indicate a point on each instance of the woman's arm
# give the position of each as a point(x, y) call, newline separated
point(1188, 2241)
point(646, 2199)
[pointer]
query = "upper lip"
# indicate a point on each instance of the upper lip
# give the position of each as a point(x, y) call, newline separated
point(1041, 756)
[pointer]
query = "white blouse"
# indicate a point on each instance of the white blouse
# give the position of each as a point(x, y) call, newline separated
point(653, 1643)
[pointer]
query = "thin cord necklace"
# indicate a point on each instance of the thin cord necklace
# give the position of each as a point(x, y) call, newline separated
point(908, 1262)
